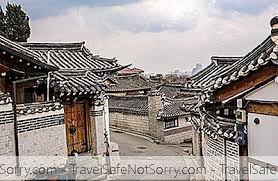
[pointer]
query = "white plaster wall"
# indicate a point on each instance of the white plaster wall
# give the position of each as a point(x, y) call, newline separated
point(7, 144)
point(6, 107)
point(106, 117)
point(49, 141)
point(262, 138)
point(183, 121)
point(265, 93)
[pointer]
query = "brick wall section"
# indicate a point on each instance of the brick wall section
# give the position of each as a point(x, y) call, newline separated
point(40, 122)
point(42, 134)
point(178, 135)
point(213, 151)
point(7, 146)
point(232, 158)
point(130, 122)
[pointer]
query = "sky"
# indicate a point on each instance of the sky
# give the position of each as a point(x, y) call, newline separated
point(158, 36)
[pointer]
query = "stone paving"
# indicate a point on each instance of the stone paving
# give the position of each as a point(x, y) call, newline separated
point(131, 145)
point(142, 151)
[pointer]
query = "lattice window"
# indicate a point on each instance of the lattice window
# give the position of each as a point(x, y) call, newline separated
point(29, 95)
point(171, 124)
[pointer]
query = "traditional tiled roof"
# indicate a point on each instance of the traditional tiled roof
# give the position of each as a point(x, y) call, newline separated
point(76, 82)
point(33, 108)
point(215, 127)
point(72, 56)
point(190, 104)
point(218, 64)
point(172, 109)
point(186, 92)
point(170, 90)
point(80, 72)
point(129, 104)
point(24, 53)
point(129, 83)
point(5, 99)
point(130, 71)
point(258, 57)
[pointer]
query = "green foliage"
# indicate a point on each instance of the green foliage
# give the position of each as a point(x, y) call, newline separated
point(15, 23)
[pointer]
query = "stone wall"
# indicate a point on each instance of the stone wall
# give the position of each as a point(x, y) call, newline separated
point(156, 127)
point(7, 145)
point(98, 116)
point(42, 134)
point(196, 143)
point(178, 135)
point(130, 122)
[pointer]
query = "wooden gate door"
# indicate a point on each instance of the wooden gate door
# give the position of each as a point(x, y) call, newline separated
point(75, 119)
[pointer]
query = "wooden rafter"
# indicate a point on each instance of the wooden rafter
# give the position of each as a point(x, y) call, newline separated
point(245, 83)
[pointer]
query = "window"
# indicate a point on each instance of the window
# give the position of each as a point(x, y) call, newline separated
point(29, 95)
point(171, 123)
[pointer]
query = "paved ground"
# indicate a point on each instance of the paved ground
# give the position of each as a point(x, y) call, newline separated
point(130, 145)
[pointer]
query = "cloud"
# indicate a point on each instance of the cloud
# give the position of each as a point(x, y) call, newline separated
point(42, 8)
point(245, 6)
point(157, 38)
point(154, 16)
point(143, 16)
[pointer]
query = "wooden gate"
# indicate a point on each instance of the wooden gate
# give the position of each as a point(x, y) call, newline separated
point(75, 119)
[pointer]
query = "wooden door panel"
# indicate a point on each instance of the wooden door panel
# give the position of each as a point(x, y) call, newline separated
point(75, 116)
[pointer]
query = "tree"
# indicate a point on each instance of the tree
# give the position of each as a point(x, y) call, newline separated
point(2, 22)
point(17, 23)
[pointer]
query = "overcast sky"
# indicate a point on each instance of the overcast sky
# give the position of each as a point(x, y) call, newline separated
point(155, 35)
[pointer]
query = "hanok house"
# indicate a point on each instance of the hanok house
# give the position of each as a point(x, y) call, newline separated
point(150, 115)
point(133, 84)
point(238, 112)
point(58, 102)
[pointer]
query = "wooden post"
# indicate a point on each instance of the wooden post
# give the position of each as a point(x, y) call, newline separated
point(48, 87)
point(243, 162)
point(15, 128)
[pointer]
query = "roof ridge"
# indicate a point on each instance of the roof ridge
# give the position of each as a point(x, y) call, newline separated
point(128, 96)
point(225, 59)
point(130, 75)
point(53, 45)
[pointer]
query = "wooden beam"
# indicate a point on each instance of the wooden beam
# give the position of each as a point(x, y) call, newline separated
point(263, 108)
point(252, 80)
point(15, 64)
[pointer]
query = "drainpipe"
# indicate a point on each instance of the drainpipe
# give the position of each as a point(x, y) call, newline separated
point(15, 116)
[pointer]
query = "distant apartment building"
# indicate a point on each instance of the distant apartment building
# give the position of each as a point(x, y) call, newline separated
point(198, 67)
